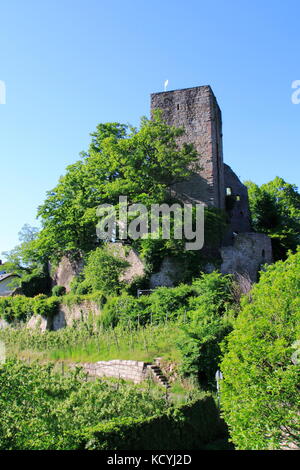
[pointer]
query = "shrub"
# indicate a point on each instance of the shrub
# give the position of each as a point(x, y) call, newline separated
point(188, 426)
point(58, 291)
point(45, 306)
point(41, 409)
point(103, 271)
point(163, 304)
point(20, 308)
point(209, 321)
point(125, 309)
point(37, 282)
point(260, 391)
point(80, 286)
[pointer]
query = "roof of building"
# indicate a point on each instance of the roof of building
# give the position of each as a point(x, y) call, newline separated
point(5, 276)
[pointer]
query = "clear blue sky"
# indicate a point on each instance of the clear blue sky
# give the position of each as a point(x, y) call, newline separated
point(70, 64)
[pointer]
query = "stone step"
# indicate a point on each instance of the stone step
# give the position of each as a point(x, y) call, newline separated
point(158, 375)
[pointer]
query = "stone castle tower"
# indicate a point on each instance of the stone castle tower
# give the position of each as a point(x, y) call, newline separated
point(196, 109)
point(216, 185)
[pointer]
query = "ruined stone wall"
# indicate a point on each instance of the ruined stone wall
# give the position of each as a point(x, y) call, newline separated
point(239, 211)
point(250, 251)
point(128, 370)
point(197, 110)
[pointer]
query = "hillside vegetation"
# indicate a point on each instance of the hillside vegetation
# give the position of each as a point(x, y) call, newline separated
point(260, 392)
point(205, 322)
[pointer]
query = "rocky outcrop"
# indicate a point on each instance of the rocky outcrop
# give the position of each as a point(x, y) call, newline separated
point(70, 267)
point(38, 322)
point(65, 272)
point(3, 324)
point(168, 274)
point(136, 267)
point(68, 314)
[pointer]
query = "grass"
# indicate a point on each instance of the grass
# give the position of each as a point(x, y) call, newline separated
point(80, 344)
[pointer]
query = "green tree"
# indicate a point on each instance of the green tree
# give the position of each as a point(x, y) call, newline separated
point(20, 258)
point(120, 161)
point(24, 260)
point(275, 210)
point(42, 409)
point(103, 270)
point(260, 390)
point(206, 327)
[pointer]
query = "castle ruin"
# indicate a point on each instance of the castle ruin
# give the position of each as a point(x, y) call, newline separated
point(215, 184)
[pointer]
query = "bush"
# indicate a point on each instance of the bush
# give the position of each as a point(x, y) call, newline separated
point(35, 283)
point(103, 271)
point(189, 426)
point(163, 304)
point(41, 409)
point(126, 310)
point(80, 286)
point(58, 291)
point(21, 308)
point(209, 321)
point(260, 391)
point(18, 307)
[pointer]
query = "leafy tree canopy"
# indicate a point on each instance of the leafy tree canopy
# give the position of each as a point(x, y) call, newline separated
point(140, 164)
point(275, 210)
point(260, 391)
point(19, 260)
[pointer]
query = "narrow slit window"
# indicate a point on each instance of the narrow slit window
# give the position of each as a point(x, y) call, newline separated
point(228, 191)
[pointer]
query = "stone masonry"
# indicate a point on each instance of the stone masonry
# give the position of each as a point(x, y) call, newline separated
point(135, 371)
point(249, 252)
point(196, 109)
point(239, 212)
point(215, 184)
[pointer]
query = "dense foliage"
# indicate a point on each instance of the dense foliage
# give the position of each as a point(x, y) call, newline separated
point(42, 409)
point(275, 210)
point(58, 291)
point(120, 161)
point(103, 271)
point(21, 308)
point(260, 393)
point(36, 282)
point(189, 426)
point(200, 314)
point(209, 320)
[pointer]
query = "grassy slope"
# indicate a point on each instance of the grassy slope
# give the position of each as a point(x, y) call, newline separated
point(143, 344)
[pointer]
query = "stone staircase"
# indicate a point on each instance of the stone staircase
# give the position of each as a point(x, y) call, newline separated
point(158, 376)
